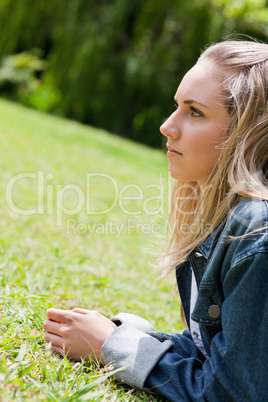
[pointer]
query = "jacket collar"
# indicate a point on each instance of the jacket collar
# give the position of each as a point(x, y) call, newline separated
point(208, 245)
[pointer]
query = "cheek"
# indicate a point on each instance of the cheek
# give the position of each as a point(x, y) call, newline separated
point(213, 138)
point(201, 143)
point(205, 147)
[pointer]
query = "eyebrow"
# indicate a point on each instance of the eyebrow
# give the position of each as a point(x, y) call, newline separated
point(189, 101)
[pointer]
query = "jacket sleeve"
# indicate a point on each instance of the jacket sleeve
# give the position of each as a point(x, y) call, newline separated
point(237, 369)
point(133, 320)
point(134, 351)
point(171, 365)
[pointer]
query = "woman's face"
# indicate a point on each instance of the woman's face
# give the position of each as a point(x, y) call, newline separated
point(198, 126)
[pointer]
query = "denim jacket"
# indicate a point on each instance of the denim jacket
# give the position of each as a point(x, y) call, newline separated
point(232, 312)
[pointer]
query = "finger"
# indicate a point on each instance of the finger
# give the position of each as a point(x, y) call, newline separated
point(53, 327)
point(89, 312)
point(55, 340)
point(83, 311)
point(58, 315)
point(58, 350)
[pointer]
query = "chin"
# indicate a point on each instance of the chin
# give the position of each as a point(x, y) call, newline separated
point(172, 173)
point(176, 175)
point(179, 177)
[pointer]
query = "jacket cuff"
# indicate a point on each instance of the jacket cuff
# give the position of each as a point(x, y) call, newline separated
point(136, 352)
point(133, 320)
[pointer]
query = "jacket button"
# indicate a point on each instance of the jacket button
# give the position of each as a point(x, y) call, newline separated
point(214, 311)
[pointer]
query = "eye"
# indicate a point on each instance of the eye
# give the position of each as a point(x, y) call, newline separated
point(195, 112)
point(176, 104)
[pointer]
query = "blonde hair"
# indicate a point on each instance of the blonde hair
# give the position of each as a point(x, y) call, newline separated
point(242, 168)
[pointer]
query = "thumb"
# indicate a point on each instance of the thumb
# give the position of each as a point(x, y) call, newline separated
point(83, 311)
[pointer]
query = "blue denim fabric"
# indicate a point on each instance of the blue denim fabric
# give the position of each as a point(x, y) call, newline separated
point(232, 275)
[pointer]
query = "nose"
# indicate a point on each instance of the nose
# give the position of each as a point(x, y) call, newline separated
point(170, 127)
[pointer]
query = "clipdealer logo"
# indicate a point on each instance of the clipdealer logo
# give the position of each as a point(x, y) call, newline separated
point(66, 202)
point(116, 229)
point(50, 198)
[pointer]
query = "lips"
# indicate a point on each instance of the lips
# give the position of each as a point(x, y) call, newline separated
point(172, 150)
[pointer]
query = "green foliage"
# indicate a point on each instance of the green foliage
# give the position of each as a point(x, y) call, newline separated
point(20, 68)
point(116, 64)
point(18, 77)
point(45, 262)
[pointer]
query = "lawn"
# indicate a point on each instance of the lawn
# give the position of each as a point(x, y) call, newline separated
point(82, 220)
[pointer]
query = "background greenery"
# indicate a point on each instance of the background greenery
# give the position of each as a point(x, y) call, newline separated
point(45, 264)
point(113, 63)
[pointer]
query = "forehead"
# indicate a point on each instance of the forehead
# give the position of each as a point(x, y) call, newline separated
point(202, 83)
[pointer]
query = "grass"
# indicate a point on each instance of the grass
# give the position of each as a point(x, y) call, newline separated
point(80, 209)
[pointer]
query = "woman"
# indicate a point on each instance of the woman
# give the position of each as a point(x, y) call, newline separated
point(217, 140)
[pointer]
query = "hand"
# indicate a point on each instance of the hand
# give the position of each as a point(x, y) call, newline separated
point(77, 333)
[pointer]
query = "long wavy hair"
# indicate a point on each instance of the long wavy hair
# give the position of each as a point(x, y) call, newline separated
point(242, 168)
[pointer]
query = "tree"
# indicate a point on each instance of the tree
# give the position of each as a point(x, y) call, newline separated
point(116, 63)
